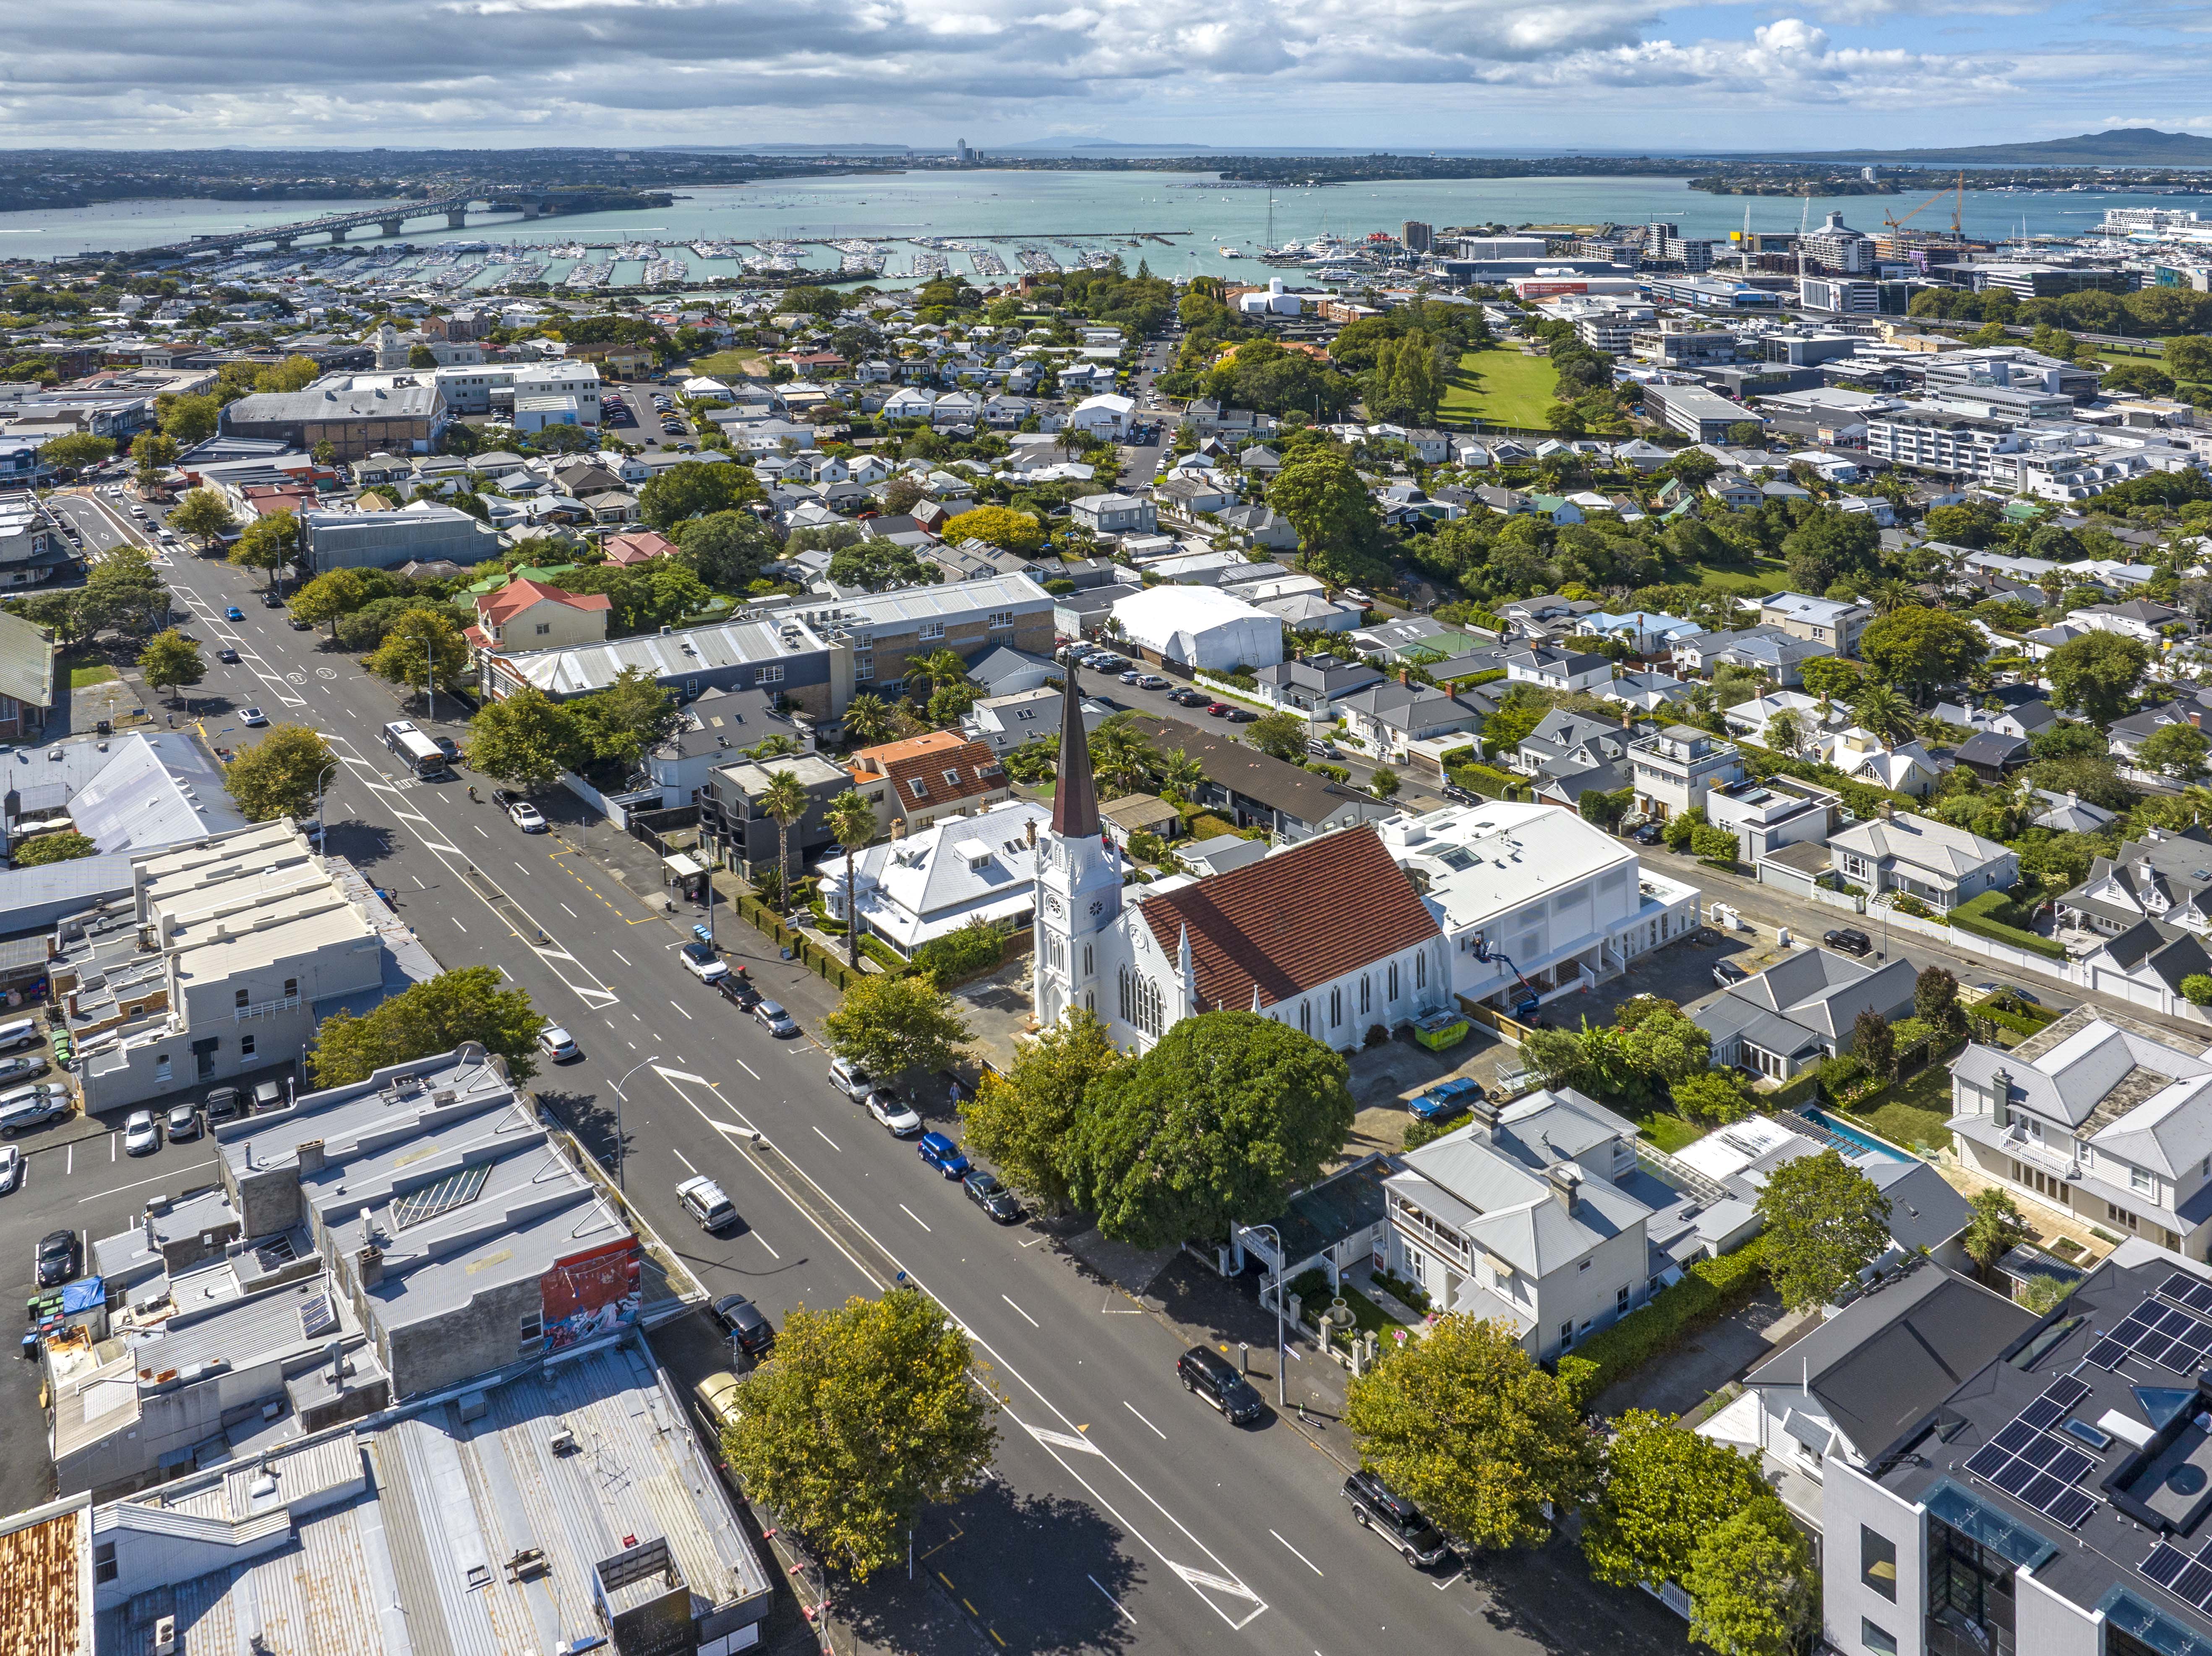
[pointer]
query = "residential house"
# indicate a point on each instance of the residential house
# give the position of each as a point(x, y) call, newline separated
point(1207, 858)
point(912, 783)
point(1571, 741)
point(1115, 514)
point(637, 546)
point(735, 825)
point(1255, 791)
point(1677, 767)
point(1941, 865)
point(2068, 813)
point(917, 888)
point(1138, 813)
point(1834, 622)
point(719, 728)
point(1802, 1010)
point(1003, 723)
point(1386, 717)
point(2124, 738)
point(2136, 618)
point(1863, 756)
point(528, 615)
point(2165, 876)
point(1559, 669)
point(1752, 721)
point(1262, 524)
point(1782, 810)
point(1648, 693)
point(1311, 684)
point(1735, 492)
point(1991, 755)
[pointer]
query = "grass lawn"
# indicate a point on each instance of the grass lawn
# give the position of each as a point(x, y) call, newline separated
point(1504, 387)
point(83, 674)
point(1670, 1133)
point(722, 362)
point(1756, 580)
point(1912, 1113)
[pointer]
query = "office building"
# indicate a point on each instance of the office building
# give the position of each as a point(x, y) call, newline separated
point(1702, 415)
point(1418, 237)
point(357, 414)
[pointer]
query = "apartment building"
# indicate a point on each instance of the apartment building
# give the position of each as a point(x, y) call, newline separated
point(497, 387)
point(1922, 439)
point(739, 827)
point(1676, 768)
point(224, 958)
point(1834, 622)
point(357, 414)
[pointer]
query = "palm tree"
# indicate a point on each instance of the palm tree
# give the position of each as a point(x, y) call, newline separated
point(854, 825)
point(939, 667)
point(1178, 774)
point(1119, 758)
point(868, 719)
point(1891, 596)
point(786, 799)
point(1883, 712)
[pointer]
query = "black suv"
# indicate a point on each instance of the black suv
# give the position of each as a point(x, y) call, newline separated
point(741, 1320)
point(1850, 940)
point(1398, 1520)
point(1213, 1377)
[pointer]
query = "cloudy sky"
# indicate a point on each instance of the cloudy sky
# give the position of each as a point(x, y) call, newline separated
point(1800, 74)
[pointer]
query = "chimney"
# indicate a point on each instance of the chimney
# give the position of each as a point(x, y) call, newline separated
point(1484, 1113)
point(1888, 810)
point(1564, 1179)
point(1406, 677)
point(1032, 832)
point(369, 1261)
point(310, 1156)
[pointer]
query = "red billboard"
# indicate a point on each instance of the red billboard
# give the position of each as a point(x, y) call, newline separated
point(593, 1293)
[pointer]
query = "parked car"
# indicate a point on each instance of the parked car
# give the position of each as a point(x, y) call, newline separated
point(558, 1044)
point(748, 1327)
point(272, 600)
point(447, 746)
point(526, 816)
point(19, 1031)
point(942, 1153)
point(1396, 1520)
point(1446, 1099)
point(267, 1095)
point(1217, 710)
point(737, 988)
point(140, 1136)
point(771, 1016)
point(32, 1107)
point(11, 1168)
point(1649, 834)
point(1849, 940)
point(850, 1079)
point(504, 797)
point(1241, 716)
point(717, 1397)
point(1322, 750)
point(1213, 1377)
point(28, 1066)
point(183, 1123)
point(888, 1108)
point(701, 960)
point(1131, 677)
point(702, 1198)
point(223, 1104)
point(1188, 697)
point(984, 1190)
point(299, 626)
point(1729, 972)
point(54, 1258)
point(1150, 681)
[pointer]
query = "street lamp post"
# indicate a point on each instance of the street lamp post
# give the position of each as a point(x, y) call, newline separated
point(1281, 1360)
point(619, 1102)
point(322, 785)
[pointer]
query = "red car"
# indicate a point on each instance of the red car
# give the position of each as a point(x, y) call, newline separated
point(1217, 710)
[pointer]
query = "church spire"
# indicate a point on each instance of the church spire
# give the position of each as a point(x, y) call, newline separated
point(1075, 808)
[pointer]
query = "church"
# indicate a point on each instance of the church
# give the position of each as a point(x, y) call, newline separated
point(1328, 936)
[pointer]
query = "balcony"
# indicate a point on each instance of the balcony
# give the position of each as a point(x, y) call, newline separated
point(265, 1009)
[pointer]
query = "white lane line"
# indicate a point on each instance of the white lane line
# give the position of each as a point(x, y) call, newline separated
point(763, 1242)
point(458, 927)
point(741, 1064)
point(1022, 1314)
point(826, 1139)
point(569, 912)
point(619, 955)
point(686, 1160)
point(679, 1005)
point(110, 1147)
point(68, 1161)
point(1112, 1600)
point(119, 1189)
point(480, 830)
point(419, 886)
point(916, 1217)
point(1153, 1430)
point(440, 844)
point(1300, 1556)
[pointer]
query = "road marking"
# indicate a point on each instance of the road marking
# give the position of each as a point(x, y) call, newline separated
point(110, 1147)
point(480, 830)
point(679, 1005)
point(118, 1189)
point(685, 1159)
point(569, 912)
point(1300, 1556)
point(746, 1067)
point(764, 1242)
point(1034, 1240)
point(826, 1139)
point(419, 886)
point(1023, 1315)
point(1155, 1430)
point(619, 955)
point(1112, 1600)
point(681, 1074)
point(1064, 1439)
point(916, 1217)
point(458, 927)
point(68, 1161)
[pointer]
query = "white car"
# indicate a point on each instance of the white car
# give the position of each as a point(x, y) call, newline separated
point(140, 1135)
point(11, 1168)
point(252, 716)
point(526, 816)
point(894, 1113)
point(557, 1044)
point(701, 961)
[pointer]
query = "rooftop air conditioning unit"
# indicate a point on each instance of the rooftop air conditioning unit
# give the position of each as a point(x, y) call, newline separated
point(165, 1636)
point(562, 1442)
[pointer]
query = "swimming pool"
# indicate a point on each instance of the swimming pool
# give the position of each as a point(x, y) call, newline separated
point(1852, 1135)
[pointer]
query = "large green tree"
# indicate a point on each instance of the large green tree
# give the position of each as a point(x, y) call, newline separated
point(631, 715)
point(335, 592)
point(892, 1026)
point(996, 525)
point(1753, 1589)
point(423, 646)
point(526, 739)
point(203, 515)
point(2176, 750)
point(1465, 1425)
point(726, 549)
point(269, 544)
point(2097, 672)
point(189, 420)
point(75, 452)
point(1665, 1491)
point(852, 821)
point(1214, 1126)
point(866, 1414)
point(1825, 1221)
point(1995, 1229)
point(1320, 492)
point(1023, 1120)
point(170, 659)
point(1922, 648)
point(427, 1018)
point(280, 774)
point(695, 488)
point(45, 848)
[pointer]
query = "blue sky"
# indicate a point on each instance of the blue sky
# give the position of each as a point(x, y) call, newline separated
point(1802, 75)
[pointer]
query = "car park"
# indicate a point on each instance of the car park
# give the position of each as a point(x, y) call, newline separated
point(558, 1044)
point(746, 1324)
point(1211, 1376)
point(702, 1198)
point(1396, 1520)
point(11, 1168)
point(1849, 940)
point(897, 1119)
point(32, 1107)
point(850, 1079)
point(526, 816)
point(234, 613)
point(140, 1136)
point(942, 1153)
point(182, 1123)
point(984, 1190)
point(773, 1018)
point(226, 654)
point(701, 961)
point(26, 1066)
point(55, 1259)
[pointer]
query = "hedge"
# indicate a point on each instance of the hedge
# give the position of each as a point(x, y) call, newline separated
point(1489, 783)
point(1978, 917)
point(967, 953)
point(1709, 1289)
point(817, 959)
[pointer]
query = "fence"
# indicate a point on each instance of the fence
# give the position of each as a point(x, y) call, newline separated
point(1490, 1018)
point(615, 808)
point(803, 949)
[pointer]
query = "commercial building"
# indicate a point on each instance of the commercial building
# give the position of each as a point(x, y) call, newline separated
point(1665, 244)
point(499, 388)
point(385, 540)
point(357, 414)
point(1700, 415)
point(33, 550)
point(1200, 628)
point(1846, 295)
point(141, 792)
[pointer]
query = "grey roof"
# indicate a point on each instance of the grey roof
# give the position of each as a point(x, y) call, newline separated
point(334, 398)
point(27, 661)
point(1884, 1362)
point(724, 720)
point(1921, 842)
point(1808, 999)
point(137, 791)
point(1924, 1211)
point(2067, 1070)
point(1991, 748)
point(32, 899)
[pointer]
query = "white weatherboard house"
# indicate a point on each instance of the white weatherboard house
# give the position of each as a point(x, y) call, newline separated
point(962, 870)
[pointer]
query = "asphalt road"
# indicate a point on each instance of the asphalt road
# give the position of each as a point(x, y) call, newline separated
point(1125, 1514)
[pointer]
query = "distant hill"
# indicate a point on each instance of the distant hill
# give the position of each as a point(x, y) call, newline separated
point(2121, 146)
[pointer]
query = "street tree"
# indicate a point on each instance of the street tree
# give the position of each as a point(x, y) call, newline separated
point(868, 1414)
point(77, 452)
point(1464, 1424)
point(1665, 1491)
point(1022, 1119)
point(203, 515)
point(1752, 1584)
point(426, 1018)
point(171, 660)
point(1824, 1222)
point(1995, 1228)
point(1214, 1126)
point(524, 740)
point(695, 488)
point(891, 1025)
point(728, 550)
point(45, 848)
point(633, 714)
point(280, 774)
point(2097, 672)
point(1383, 783)
point(188, 420)
point(1279, 735)
point(335, 592)
point(851, 822)
point(2175, 750)
point(123, 591)
point(152, 452)
point(269, 544)
point(1919, 648)
point(995, 526)
point(786, 800)
point(423, 645)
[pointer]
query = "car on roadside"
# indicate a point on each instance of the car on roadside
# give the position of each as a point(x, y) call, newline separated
point(54, 1261)
point(182, 1123)
point(1849, 940)
point(447, 746)
point(1217, 710)
point(850, 1079)
point(11, 1168)
point(1396, 1520)
point(896, 1117)
point(1188, 697)
point(231, 612)
point(224, 1104)
point(735, 987)
point(226, 655)
point(746, 1324)
point(703, 1200)
point(717, 1397)
point(504, 797)
point(526, 816)
point(1649, 834)
point(253, 718)
point(272, 601)
point(702, 962)
point(558, 1044)
point(142, 1134)
point(1211, 1376)
point(32, 1107)
point(25, 1066)
point(772, 1017)
point(1241, 716)
point(1322, 750)
point(984, 1190)
point(942, 1153)
point(1131, 677)
point(1726, 973)
point(1150, 681)
point(2009, 991)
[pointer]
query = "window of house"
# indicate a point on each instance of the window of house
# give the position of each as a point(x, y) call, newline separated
point(1567, 1333)
point(1878, 1564)
point(104, 1567)
point(2119, 1216)
point(291, 988)
point(1583, 1266)
point(544, 628)
point(245, 1046)
point(1366, 994)
point(1335, 1008)
point(1421, 971)
point(533, 1326)
point(768, 675)
point(864, 666)
point(1620, 1298)
point(240, 997)
point(2144, 1179)
point(1001, 618)
point(918, 788)
point(1393, 979)
point(1305, 1017)
point(162, 1068)
point(931, 630)
point(1876, 1640)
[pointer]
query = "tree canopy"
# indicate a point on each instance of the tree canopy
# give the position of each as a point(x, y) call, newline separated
point(279, 775)
point(1923, 648)
point(2098, 673)
point(995, 526)
point(695, 488)
point(525, 739)
point(890, 1026)
point(42, 849)
point(1023, 1120)
point(1825, 1221)
point(427, 1018)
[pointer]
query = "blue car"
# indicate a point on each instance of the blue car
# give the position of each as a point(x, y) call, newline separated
point(233, 613)
point(1446, 1099)
point(942, 1153)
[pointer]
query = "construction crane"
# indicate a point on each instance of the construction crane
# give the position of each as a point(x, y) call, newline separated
point(1958, 194)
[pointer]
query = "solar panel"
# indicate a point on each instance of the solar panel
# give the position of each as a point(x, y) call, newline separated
point(2177, 1285)
point(2194, 1583)
point(2016, 1437)
point(2041, 1491)
point(2070, 1465)
point(2040, 1453)
point(2070, 1508)
point(2066, 1390)
point(2106, 1354)
point(2153, 1348)
point(2164, 1564)
point(2199, 1298)
point(2041, 1413)
point(1989, 1461)
point(2015, 1477)
point(2175, 1324)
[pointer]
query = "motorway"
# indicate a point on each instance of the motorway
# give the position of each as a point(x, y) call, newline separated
point(1124, 1513)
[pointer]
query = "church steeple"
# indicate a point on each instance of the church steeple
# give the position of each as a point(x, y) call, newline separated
point(1075, 808)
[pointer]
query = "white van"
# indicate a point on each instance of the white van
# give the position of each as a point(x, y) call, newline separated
point(703, 1200)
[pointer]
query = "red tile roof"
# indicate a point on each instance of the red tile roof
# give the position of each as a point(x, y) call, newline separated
point(497, 609)
point(929, 771)
point(638, 547)
point(1291, 922)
